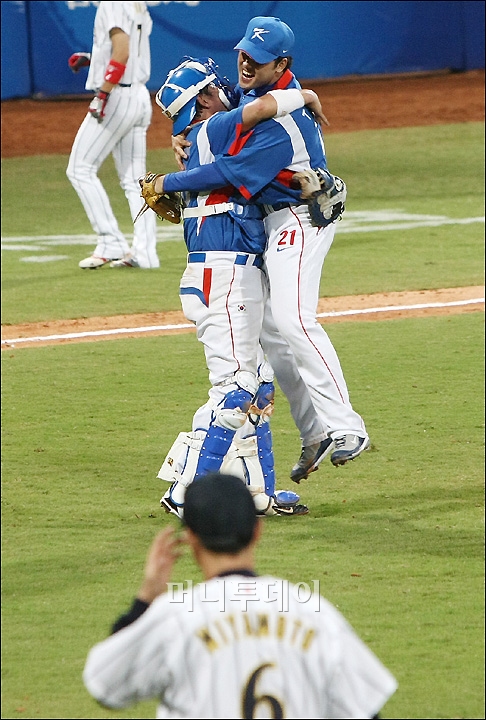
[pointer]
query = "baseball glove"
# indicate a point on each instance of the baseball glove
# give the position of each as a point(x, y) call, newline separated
point(325, 195)
point(167, 205)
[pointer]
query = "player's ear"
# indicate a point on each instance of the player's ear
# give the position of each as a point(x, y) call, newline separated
point(190, 538)
point(204, 100)
point(257, 532)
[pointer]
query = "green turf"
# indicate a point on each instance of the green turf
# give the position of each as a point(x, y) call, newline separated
point(395, 539)
point(435, 170)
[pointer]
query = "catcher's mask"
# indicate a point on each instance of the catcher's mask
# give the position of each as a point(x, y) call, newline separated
point(177, 96)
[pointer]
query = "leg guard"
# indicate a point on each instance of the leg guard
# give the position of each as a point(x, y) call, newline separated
point(181, 461)
point(230, 415)
point(265, 455)
point(242, 461)
point(262, 404)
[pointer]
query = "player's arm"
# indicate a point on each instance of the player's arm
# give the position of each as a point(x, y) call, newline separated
point(120, 43)
point(277, 103)
point(161, 558)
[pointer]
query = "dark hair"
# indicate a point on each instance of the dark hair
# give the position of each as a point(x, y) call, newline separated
point(289, 59)
point(199, 108)
point(220, 510)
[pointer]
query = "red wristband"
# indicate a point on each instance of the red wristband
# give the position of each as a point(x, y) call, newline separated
point(114, 72)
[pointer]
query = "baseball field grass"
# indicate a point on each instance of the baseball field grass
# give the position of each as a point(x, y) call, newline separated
point(395, 539)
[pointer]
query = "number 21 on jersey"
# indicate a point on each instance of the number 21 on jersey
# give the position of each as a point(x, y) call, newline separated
point(287, 239)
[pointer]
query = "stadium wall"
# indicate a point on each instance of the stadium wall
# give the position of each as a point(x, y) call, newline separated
point(333, 39)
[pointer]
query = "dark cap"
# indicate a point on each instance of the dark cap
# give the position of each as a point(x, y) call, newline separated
point(220, 510)
point(266, 39)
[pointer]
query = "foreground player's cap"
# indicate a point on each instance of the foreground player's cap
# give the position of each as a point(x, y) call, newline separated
point(220, 510)
point(266, 39)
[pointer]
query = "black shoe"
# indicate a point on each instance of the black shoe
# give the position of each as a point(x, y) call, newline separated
point(310, 458)
point(294, 510)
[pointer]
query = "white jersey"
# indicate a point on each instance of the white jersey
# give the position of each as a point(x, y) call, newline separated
point(123, 134)
point(240, 647)
point(134, 19)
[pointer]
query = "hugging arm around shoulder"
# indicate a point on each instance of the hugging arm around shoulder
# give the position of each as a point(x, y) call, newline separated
point(205, 177)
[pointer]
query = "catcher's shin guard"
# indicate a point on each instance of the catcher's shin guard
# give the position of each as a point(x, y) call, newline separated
point(215, 447)
point(229, 417)
point(265, 455)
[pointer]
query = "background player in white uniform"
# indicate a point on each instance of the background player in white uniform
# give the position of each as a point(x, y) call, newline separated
point(262, 170)
point(237, 645)
point(117, 122)
point(222, 289)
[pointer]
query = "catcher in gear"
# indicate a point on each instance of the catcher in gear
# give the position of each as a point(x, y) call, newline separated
point(300, 231)
point(222, 290)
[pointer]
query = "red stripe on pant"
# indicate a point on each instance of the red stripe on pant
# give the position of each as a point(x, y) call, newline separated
point(207, 276)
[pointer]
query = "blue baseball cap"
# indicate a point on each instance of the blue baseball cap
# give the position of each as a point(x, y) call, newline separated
point(266, 39)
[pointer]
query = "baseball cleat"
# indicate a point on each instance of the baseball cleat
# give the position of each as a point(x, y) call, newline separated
point(348, 447)
point(286, 503)
point(294, 510)
point(310, 458)
point(171, 507)
point(127, 261)
point(92, 262)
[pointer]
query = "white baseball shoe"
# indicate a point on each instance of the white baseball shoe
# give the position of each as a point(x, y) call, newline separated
point(348, 447)
point(93, 261)
point(126, 261)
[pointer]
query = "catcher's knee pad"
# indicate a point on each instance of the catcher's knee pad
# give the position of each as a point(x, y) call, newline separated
point(231, 414)
point(262, 403)
point(265, 372)
point(265, 456)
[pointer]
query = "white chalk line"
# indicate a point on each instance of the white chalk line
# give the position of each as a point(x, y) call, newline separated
point(401, 308)
point(185, 326)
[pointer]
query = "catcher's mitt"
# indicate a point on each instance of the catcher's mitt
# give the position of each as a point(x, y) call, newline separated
point(167, 205)
point(325, 195)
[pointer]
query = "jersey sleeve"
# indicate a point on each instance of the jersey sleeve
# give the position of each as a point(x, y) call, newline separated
point(205, 177)
point(256, 158)
point(131, 665)
point(117, 16)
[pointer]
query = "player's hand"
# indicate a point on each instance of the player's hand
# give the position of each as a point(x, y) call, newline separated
point(79, 60)
point(314, 104)
point(161, 557)
point(98, 105)
point(179, 142)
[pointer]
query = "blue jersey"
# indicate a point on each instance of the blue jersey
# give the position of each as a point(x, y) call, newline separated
point(267, 156)
point(274, 150)
point(239, 230)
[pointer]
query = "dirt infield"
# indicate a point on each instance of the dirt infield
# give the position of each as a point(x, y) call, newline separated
point(379, 306)
point(40, 127)
point(43, 127)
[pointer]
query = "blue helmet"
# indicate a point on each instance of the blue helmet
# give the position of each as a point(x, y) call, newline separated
point(177, 96)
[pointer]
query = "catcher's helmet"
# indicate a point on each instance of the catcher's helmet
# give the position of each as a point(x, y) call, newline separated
point(177, 96)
